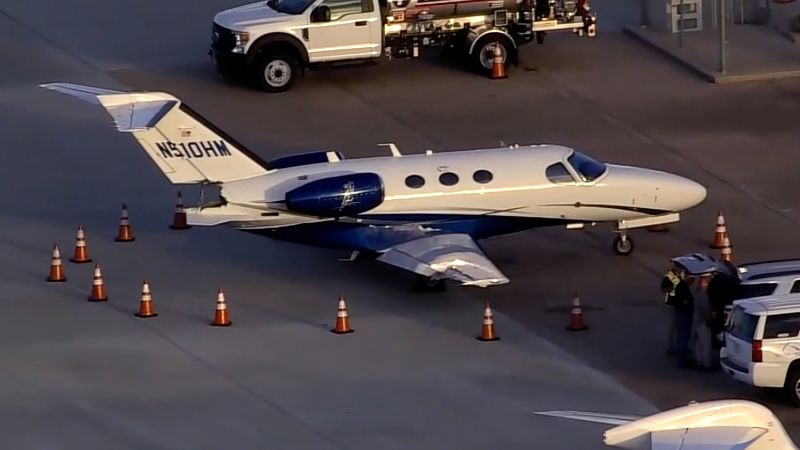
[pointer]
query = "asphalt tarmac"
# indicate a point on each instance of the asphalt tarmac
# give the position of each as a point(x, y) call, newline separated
point(79, 374)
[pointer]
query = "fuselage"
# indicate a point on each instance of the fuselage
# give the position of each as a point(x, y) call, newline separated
point(479, 192)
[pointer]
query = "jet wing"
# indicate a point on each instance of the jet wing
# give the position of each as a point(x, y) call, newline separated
point(635, 432)
point(709, 438)
point(454, 256)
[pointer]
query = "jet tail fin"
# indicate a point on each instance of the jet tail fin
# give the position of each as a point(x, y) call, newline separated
point(185, 146)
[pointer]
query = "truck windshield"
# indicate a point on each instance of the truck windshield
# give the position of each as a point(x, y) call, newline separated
point(289, 6)
point(588, 168)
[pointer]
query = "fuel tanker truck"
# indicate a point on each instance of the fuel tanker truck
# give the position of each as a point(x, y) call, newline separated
point(271, 43)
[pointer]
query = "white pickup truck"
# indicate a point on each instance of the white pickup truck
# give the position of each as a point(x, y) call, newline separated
point(272, 42)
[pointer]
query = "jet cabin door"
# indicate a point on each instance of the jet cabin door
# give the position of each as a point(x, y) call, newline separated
point(343, 29)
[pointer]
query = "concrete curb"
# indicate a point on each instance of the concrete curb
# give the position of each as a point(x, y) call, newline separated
point(711, 76)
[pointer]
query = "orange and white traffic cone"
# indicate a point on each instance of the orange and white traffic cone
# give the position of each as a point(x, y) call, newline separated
point(720, 232)
point(498, 68)
point(98, 288)
point(179, 220)
point(81, 250)
point(726, 252)
point(576, 316)
point(56, 269)
point(125, 233)
point(487, 330)
point(342, 320)
point(221, 315)
point(146, 303)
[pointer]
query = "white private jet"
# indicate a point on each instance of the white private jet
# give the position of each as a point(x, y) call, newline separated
point(419, 212)
point(714, 425)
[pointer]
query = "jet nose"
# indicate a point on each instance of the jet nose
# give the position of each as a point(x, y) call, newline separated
point(689, 193)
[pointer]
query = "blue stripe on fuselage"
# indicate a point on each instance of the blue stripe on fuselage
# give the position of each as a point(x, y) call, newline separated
point(378, 232)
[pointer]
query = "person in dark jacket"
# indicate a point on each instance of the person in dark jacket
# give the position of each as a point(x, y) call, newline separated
point(721, 292)
point(668, 284)
point(683, 304)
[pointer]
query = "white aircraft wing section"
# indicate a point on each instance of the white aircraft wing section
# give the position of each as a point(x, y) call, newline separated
point(85, 93)
point(611, 419)
point(454, 256)
point(709, 438)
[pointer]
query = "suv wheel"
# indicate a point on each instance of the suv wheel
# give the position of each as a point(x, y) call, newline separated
point(276, 72)
point(792, 386)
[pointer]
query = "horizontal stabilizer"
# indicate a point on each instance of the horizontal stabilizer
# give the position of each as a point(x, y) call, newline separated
point(610, 419)
point(85, 93)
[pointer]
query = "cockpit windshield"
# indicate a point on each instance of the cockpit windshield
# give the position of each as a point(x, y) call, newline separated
point(587, 168)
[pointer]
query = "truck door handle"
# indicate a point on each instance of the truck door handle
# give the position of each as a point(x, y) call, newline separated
point(361, 23)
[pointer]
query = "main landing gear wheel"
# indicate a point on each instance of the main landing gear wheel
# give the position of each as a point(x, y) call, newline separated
point(428, 284)
point(623, 245)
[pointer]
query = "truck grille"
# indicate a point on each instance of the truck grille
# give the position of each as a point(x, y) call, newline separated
point(222, 39)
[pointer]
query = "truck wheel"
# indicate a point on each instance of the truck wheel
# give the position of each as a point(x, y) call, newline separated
point(483, 53)
point(792, 386)
point(276, 72)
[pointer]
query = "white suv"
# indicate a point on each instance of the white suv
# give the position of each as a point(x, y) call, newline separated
point(762, 343)
point(769, 278)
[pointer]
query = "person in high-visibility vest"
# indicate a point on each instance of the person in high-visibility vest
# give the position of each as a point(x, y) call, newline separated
point(669, 283)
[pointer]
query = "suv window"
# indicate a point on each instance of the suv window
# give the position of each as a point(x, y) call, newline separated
point(558, 173)
point(754, 290)
point(795, 287)
point(341, 8)
point(781, 326)
point(742, 325)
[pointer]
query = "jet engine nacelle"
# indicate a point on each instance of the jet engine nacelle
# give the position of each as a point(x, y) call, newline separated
point(344, 195)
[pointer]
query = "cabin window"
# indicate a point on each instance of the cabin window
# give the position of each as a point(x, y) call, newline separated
point(482, 176)
point(558, 173)
point(587, 168)
point(415, 181)
point(448, 178)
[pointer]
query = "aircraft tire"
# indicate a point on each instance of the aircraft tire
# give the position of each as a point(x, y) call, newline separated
point(623, 248)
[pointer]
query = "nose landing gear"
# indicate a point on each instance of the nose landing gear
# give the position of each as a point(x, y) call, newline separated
point(623, 245)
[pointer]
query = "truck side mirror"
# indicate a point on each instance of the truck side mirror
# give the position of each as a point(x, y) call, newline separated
point(321, 13)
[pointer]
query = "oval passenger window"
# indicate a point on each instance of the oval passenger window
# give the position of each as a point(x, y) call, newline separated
point(415, 181)
point(448, 178)
point(482, 176)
